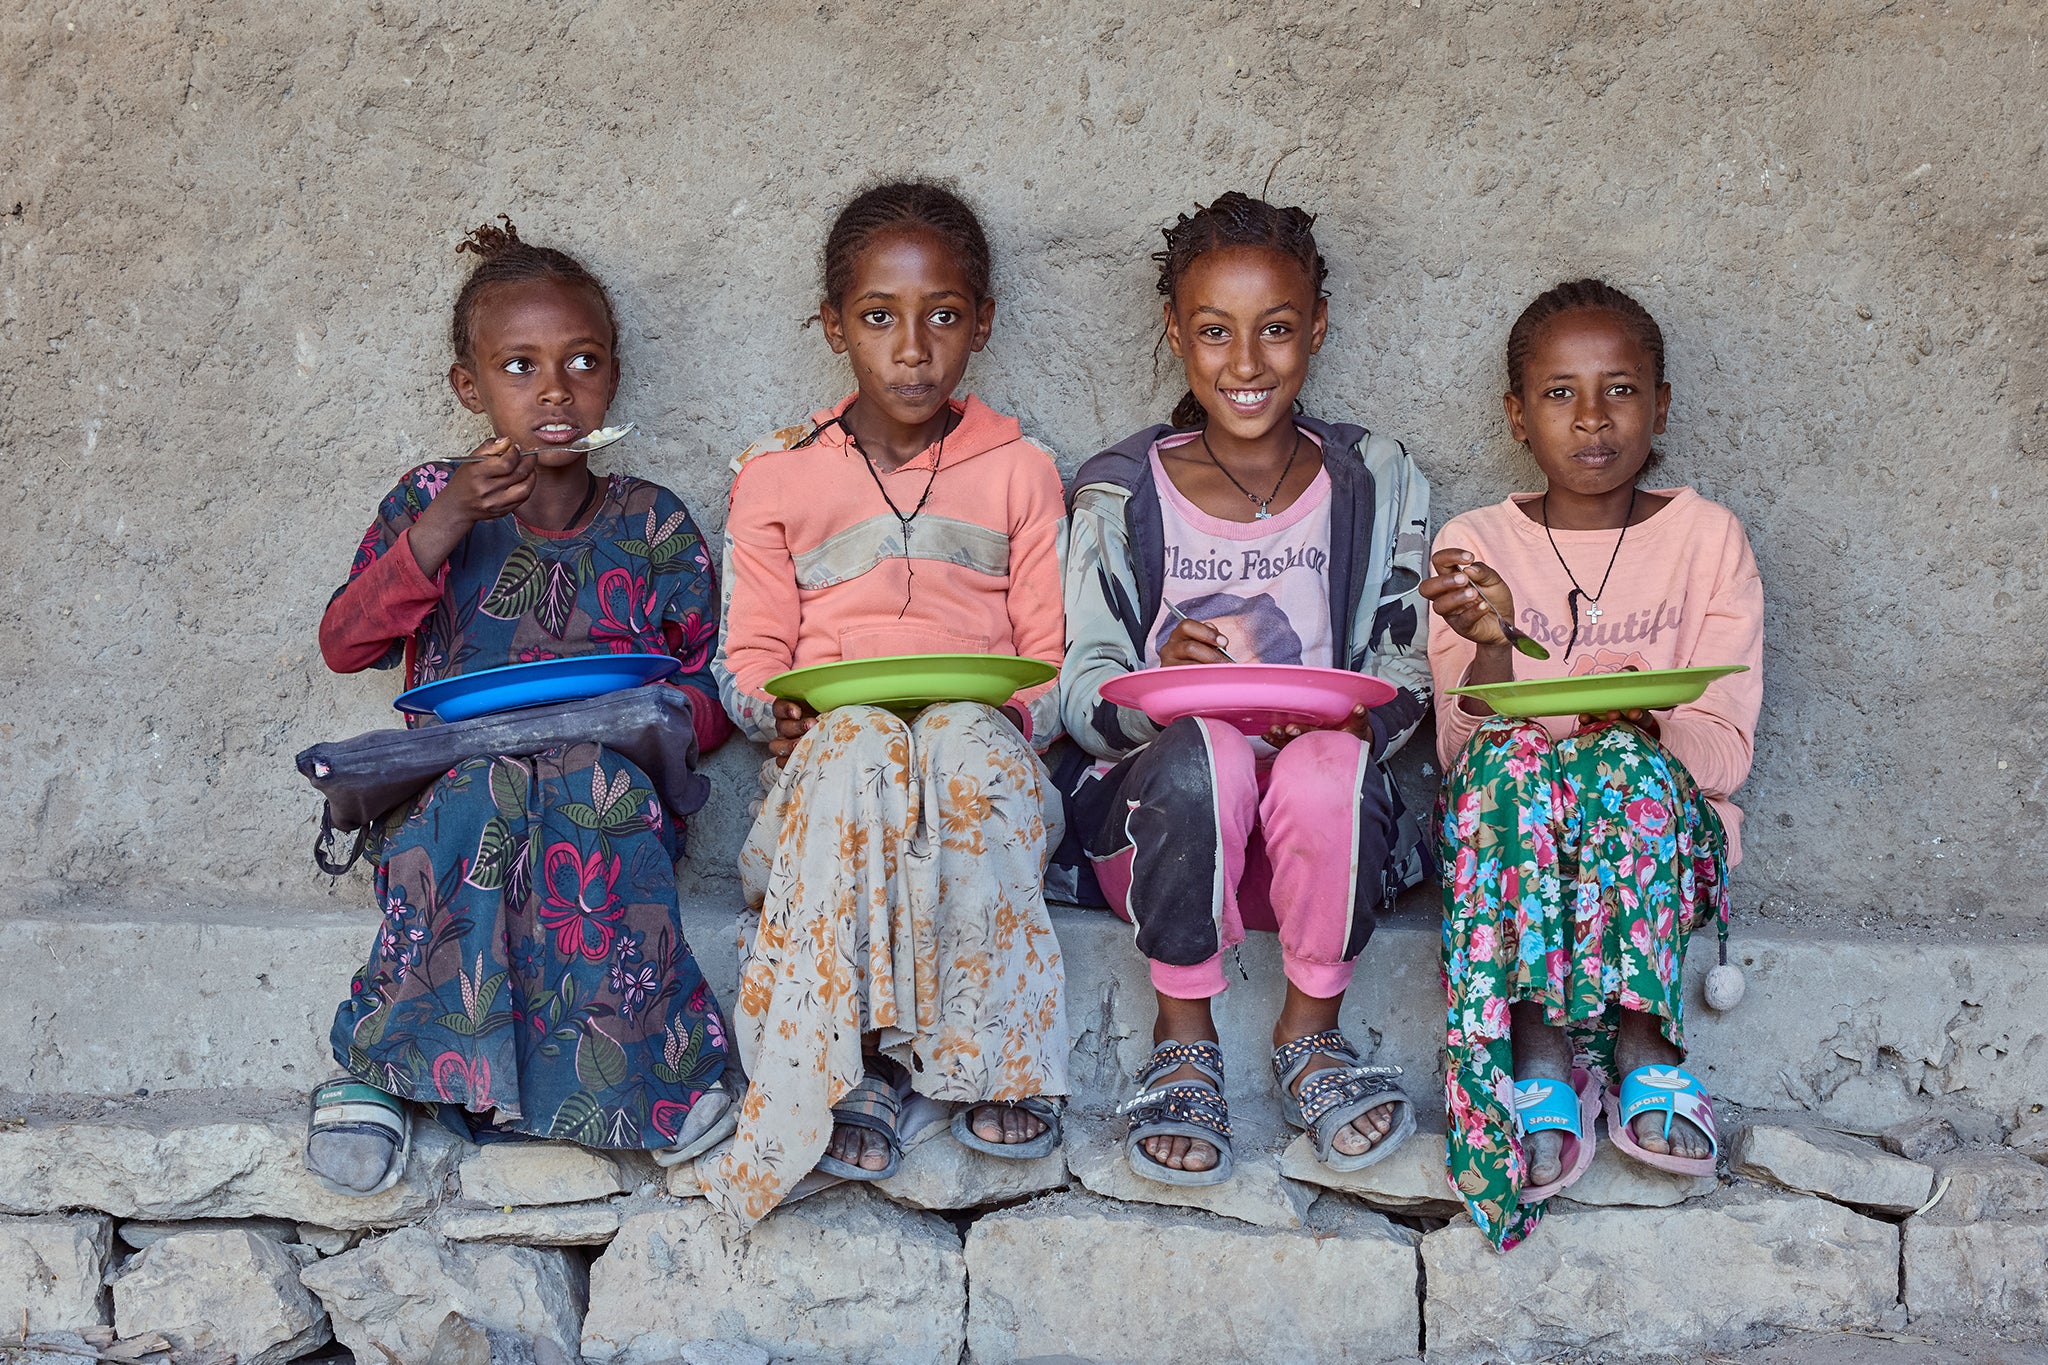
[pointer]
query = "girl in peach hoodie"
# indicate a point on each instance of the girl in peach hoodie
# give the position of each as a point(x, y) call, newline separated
point(902, 943)
point(1579, 853)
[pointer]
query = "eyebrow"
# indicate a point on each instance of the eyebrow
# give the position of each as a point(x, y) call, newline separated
point(1276, 308)
point(884, 296)
point(1604, 374)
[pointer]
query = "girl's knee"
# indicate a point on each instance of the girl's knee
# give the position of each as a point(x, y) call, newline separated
point(1322, 766)
point(1194, 761)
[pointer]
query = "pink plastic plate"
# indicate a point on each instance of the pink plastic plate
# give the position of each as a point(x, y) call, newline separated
point(1252, 697)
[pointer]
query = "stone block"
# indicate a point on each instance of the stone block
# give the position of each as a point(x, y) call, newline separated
point(518, 1174)
point(1617, 1180)
point(558, 1225)
point(1078, 1276)
point(50, 1273)
point(1988, 1184)
point(215, 1293)
point(212, 1159)
point(139, 1234)
point(389, 1297)
point(1922, 1136)
point(1255, 1193)
point(1703, 1275)
point(939, 1173)
point(1984, 1271)
point(1833, 1165)
point(844, 1274)
point(1409, 1180)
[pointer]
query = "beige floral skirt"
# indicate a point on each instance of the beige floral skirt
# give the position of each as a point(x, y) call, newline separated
point(897, 868)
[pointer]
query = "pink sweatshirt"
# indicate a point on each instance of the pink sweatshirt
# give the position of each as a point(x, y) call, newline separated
point(1684, 592)
point(816, 573)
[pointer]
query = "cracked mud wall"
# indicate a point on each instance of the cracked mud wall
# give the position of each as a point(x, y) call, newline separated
point(225, 271)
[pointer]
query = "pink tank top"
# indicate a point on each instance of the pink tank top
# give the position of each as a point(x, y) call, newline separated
point(1264, 584)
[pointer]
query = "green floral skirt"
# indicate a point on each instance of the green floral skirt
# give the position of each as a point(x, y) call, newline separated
point(1574, 871)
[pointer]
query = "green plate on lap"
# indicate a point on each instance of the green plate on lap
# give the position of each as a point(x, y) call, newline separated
point(911, 682)
point(1593, 694)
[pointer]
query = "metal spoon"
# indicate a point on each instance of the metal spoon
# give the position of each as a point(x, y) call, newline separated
point(1218, 648)
point(1521, 640)
point(596, 440)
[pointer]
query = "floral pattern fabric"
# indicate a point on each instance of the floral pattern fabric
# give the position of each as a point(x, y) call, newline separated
point(531, 975)
point(1575, 871)
point(896, 868)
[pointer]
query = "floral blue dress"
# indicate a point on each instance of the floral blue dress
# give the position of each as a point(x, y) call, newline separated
point(531, 975)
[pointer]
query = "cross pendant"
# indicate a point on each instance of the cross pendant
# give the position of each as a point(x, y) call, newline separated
point(1593, 612)
point(1262, 514)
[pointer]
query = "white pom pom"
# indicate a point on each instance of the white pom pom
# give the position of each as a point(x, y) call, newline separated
point(1725, 985)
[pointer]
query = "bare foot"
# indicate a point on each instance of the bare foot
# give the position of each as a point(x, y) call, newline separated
point(1182, 1021)
point(1642, 1043)
point(1361, 1133)
point(1004, 1123)
point(1541, 1050)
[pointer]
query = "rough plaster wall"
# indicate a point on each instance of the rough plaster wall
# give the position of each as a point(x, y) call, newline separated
point(225, 271)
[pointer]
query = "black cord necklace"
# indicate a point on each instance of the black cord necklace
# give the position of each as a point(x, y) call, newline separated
point(589, 494)
point(1592, 599)
point(903, 520)
point(1262, 503)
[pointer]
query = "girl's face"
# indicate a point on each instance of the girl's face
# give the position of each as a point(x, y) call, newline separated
point(541, 365)
point(908, 323)
point(1589, 403)
point(1244, 321)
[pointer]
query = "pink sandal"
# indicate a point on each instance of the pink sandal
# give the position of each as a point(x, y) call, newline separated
point(1542, 1105)
point(1675, 1091)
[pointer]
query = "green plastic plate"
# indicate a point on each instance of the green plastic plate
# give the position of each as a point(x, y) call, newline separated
point(911, 682)
point(1594, 694)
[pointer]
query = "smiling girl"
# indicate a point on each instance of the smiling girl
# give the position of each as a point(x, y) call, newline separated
point(1580, 853)
point(902, 942)
point(1249, 529)
point(531, 975)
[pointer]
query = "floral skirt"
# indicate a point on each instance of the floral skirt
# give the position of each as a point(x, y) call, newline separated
point(531, 976)
point(1574, 871)
point(897, 871)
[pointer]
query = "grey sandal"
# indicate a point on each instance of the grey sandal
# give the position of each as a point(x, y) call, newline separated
point(1184, 1108)
point(875, 1104)
point(1331, 1098)
point(1041, 1107)
point(724, 1123)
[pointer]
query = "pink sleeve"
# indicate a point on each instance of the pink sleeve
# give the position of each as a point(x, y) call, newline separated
point(381, 606)
point(1715, 737)
point(762, 615)
point(1038, 618)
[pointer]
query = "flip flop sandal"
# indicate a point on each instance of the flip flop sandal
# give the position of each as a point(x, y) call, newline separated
point(1043, 1108)
point(1680, 1095)
point(1544, 1105)
point(923, 1118)
point(875, 1105)
point(721, 1128)
point(1331, 1098)
point(347, 1105)
point(1192, 1108)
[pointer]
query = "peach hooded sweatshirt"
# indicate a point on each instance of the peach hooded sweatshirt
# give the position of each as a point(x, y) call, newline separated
point(815, 568)
point(1684, 592)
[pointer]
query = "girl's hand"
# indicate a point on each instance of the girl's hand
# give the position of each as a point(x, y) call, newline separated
point(1641, 719)
point(1354, 724)
point(793, 720)
point(1455, 595)
point(491, 486)
point(1193, 642)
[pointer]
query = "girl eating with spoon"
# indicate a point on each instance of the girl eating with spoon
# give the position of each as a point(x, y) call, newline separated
point(1581, 852)
point(1245, 532)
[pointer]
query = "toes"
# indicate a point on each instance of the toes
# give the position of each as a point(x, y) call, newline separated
point(1200, 1156)
point(1649, 1130)
point(874, 1152)
point(988, 1124)
point(1545, 1158)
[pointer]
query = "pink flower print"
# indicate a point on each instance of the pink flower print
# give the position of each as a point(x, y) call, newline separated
point(1510, 884)
point(1649, 815)
point(580, 908)
point(625, 604)
point(1543, 845)
point(667, 1118)
point(1558, 966)
point(1468, 815)
point(1485, 942)
point(1494, 1018)
point(1639, 934)
point(458, 1081)
point(533, 654)
point(366, 552)
point(1631, 1001)
point(430, 479)
point(690, 640)
point(1464, 872)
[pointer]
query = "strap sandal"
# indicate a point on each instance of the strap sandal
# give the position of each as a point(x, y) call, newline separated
point(875, 1104)
point(1679, 1094)
point(1331, 1098)
point(1044, 1108)
point(356, 1108)
point(1544, 1104)
point(721, 1118)
point(1191, 1108)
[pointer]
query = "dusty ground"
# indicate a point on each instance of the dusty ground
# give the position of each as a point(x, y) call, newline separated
point(225, 269)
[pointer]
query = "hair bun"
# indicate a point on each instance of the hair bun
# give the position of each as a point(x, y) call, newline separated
point(488, 241)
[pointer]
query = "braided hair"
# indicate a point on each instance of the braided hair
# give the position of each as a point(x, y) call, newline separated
point(504, 259)
point(905, 206)
point(1570, 297)
point(1235, 219)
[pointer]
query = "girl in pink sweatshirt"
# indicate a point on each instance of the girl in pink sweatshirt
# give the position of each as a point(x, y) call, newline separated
point(902, 943)
point(1580, 852)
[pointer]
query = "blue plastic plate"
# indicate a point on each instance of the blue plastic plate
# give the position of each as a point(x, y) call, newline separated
point(540, 683)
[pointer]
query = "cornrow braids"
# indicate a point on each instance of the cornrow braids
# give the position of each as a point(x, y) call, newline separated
point(905, 205)
point(1570, 297)
point(503, 259)
point(1235, 219)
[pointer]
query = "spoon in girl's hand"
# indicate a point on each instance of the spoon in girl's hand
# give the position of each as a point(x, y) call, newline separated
point(1191, 620)
point(596, 440)
point(1522, 642)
